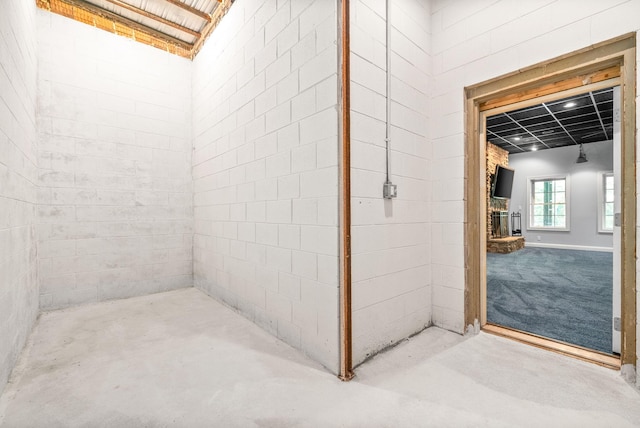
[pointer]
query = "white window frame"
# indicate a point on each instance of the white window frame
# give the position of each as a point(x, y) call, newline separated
point(567, 191)
point(601, 200)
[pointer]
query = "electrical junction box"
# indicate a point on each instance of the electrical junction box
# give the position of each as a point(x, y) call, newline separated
point(390, 190)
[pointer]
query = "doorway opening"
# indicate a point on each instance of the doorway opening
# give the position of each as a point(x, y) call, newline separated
point(553, 249)
point(599, 71)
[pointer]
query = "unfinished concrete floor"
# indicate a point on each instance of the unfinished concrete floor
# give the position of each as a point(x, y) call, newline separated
point(181, 359)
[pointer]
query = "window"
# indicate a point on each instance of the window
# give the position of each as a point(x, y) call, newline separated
point(606, 195)
point(549, 203)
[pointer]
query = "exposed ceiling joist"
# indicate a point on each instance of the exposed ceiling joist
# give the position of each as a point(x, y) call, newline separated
point(190, 9)
point(156, 18)
point(218, 13)
point(52, 5)
point(177, 26)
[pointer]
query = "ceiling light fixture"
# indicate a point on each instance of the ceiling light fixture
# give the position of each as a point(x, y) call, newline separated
point(582, 157)
point(569, 104)
point(516, 138)
point(534, 149)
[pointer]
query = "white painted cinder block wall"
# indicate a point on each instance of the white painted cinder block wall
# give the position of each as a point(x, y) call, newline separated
point(390, 241)
point(18, 175)
point(115, 197)
point(265, 132)
point(114, 160)
point(477, 40)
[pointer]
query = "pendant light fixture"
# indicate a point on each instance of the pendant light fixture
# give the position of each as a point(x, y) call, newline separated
point(582, 157)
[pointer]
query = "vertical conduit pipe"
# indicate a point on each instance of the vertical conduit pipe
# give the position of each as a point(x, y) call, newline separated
point(346, 363)
point(387, 137)
point(389, 190)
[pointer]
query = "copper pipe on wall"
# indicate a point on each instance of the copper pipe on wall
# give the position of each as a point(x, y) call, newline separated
point(346, 362)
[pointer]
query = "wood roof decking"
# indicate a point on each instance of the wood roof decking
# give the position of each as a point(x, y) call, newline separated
point(176, 26)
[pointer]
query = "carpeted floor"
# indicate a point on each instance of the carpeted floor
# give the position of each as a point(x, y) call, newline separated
point(559, 294)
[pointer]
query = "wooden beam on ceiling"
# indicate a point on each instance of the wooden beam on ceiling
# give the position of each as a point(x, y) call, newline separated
point(216, 16)
point(190, 9)
point(91, 8)
point(154, 17)
point(98, 17)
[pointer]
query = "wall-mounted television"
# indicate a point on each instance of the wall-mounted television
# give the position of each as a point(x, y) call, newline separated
point(502, 183)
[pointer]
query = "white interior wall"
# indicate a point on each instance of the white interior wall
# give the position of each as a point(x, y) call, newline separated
point(18, 175)
point(583, 181)
point(113, 146)
point(115, 198)
point(390, 242)
point(476, 41)
point(265, 132)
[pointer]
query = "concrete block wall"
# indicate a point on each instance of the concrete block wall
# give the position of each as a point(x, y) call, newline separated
point(390, 241)
point(115, 199)
point(18, 175)
point(110, 187)
point(265, 133)
point(475, 41)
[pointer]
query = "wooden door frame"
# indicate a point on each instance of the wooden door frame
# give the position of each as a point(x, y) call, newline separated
point(585, 66)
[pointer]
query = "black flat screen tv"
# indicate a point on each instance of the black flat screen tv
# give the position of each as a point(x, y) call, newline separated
point(502, 183)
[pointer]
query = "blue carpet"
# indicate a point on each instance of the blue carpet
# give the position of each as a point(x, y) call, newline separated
point(560, 294)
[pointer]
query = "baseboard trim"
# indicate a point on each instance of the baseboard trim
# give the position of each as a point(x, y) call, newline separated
point(584, 354)
point(568, 247)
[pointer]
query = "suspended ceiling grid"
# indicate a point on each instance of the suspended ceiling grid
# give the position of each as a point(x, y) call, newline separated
point(581, 119)
point(177, 26)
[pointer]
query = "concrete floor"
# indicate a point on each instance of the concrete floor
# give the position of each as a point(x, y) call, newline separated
point(181, 359)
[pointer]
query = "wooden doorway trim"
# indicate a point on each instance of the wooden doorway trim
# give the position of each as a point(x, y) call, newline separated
point(556, 346)
point(586, 66)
